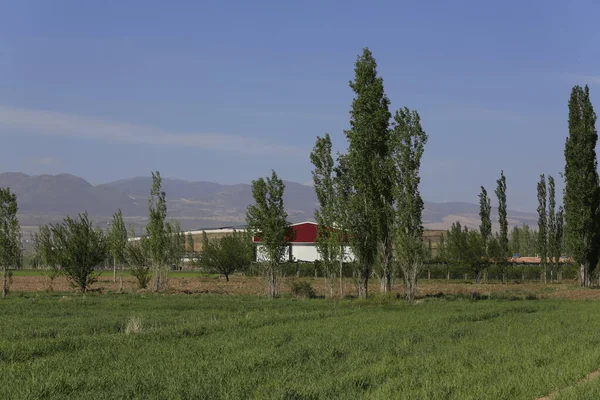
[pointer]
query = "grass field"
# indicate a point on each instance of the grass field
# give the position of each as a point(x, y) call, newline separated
point(216, 346)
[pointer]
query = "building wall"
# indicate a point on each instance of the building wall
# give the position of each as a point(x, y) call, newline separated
point(305, 252)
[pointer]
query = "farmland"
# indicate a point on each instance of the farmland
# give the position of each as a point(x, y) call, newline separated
point(61, 345)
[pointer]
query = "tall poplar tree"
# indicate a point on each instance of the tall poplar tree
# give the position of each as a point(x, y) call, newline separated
point(329, 234)
point(368, 170)
point(485, 209)
point(560, 218)
point(157, 241)
point(582, 191)
point(117, 240)
point(485, 229)
point(10, 236)
point(409, 141)
point(542, 242)
point(267, 219)
point(552, 222)
point(503, 221)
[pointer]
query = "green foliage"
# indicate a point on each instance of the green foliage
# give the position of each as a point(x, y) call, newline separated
point(138, 259)
point(241, 347)
point(502, 215)
point(190, 244)
point(542, 242)
point(467, 249)
point(78, 249)
point(175, 244)
point(515, 241)
point(44, 255)
point(267, 218)
point(227, 255)
point(329, 231)
point(117, 238)
point(409, 140)
point(302, 289)
point(485, 209)
point(366, 164)
point(11, 252)
point(582, 190)
point(156, 231)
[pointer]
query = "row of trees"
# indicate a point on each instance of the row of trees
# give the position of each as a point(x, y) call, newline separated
point(368, 197)
point(75, 248)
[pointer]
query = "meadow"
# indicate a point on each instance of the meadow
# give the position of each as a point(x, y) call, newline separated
point(154, 346)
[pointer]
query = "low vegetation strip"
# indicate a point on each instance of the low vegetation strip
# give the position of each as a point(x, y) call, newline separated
point(154, 346)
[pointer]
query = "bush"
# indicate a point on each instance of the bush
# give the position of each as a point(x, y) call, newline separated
point(303, 290)
point(142, 275)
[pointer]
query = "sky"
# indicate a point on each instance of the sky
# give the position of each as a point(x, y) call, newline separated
point(225, 91)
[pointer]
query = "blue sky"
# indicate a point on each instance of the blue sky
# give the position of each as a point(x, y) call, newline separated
point(225, 91)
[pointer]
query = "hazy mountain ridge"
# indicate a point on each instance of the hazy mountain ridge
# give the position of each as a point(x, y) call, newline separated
point(48, 198)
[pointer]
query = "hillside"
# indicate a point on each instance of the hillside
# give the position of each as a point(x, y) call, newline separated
point(48, 198)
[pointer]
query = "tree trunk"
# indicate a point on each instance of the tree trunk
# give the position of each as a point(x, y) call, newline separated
point(385, 282)
point(4, 282)
point(226, 277)
point(363, 285)
point(448, 274)
point(273, 288)
point(544, 277)
point(582, 275)
point(114, 270)
point(410, 283)
point(121, 280)
point(341, 276)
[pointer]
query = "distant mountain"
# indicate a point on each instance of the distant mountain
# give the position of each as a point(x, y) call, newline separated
point(48, 198)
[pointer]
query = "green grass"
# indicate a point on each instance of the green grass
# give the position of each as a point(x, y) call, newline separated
point(245, 347)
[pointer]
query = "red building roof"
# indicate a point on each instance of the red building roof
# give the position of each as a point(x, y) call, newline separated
point(303, 232)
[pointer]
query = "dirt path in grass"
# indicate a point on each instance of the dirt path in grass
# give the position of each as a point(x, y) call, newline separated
point(588, 377)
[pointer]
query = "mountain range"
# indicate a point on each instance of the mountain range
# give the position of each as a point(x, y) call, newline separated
point(48, 198)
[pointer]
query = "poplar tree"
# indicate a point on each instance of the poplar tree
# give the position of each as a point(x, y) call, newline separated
point(551, 224)
point(367, 162)
point(10, 236)
point(157, 240)
point(542, 241)
point(329, 234)
point(267, 219)
point(485, 231)
point(582, 191)
point(485, 209)
point(560, 217)
point(409, 140)
point(117, 240)
point(503, 221)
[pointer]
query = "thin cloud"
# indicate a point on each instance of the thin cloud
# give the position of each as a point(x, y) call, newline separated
point(471, 113)
point(46, 161)
point(62, 124)
point(583, 79)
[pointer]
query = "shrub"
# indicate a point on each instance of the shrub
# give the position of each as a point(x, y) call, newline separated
point(303, 289)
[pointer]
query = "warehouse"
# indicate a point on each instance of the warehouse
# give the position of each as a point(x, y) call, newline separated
point(302, 245)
